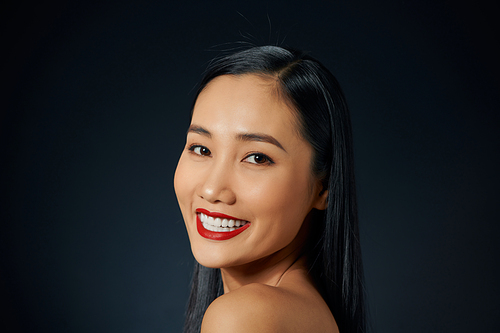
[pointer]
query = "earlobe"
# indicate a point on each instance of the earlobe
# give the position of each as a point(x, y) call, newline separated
point(322, 200)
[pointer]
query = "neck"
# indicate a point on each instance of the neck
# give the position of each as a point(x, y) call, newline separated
point(269, 270)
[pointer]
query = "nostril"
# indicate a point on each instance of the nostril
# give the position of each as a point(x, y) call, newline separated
point(216, 186)
point(226, 196)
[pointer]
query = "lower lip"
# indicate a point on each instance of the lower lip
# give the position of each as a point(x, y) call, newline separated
point(220, 236)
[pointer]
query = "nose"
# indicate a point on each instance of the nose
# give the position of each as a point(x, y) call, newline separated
point(216, 187)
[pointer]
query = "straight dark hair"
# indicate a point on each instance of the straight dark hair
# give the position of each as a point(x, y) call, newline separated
point(333, 249)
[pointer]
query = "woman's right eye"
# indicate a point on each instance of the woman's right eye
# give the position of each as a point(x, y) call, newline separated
point(200, 150)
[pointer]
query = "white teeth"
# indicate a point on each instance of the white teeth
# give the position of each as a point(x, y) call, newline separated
point(220, 225)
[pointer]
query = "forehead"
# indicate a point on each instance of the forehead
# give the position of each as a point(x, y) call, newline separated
point(245, 103)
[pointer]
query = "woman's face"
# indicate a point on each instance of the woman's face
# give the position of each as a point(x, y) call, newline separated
point(244, 181)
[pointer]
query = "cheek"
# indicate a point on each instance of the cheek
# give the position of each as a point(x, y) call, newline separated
point(284, 197)
point(182, 182)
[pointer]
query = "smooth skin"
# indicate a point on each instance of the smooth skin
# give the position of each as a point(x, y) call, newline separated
point(244, 157)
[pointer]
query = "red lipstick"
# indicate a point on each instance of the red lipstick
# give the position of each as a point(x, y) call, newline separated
point(220, 236)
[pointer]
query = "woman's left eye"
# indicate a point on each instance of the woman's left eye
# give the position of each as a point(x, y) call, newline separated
point(258, 159)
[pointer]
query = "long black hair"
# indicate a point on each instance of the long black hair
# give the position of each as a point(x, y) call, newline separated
point(333, 249)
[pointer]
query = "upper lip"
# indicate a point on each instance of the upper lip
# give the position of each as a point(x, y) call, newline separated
point(215, 214)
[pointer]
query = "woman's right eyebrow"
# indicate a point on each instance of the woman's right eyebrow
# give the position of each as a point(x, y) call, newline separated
point(244, 136)
point(199, 130)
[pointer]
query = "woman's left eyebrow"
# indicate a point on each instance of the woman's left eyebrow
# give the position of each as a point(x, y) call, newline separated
point(261, 138)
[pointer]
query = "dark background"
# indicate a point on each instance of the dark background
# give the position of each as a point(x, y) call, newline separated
point(94, 107)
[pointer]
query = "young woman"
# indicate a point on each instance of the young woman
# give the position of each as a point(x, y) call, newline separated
point(266, 188)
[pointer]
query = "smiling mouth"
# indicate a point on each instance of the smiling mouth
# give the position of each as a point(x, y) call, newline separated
point(218, 226)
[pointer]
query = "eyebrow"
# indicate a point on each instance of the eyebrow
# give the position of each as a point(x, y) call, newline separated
point(259, 137)
point(199, 130)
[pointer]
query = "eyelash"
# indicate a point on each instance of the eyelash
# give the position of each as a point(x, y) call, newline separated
point(193, 147)
point(267, 159)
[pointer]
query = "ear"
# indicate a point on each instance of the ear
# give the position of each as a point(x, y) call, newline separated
point(321, 201)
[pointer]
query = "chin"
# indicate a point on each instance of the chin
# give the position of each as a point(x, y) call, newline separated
point(210, 261)
point(212, 258)
point(207, 256)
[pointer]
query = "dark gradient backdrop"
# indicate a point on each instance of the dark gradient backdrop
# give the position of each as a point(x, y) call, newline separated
point(94, 106)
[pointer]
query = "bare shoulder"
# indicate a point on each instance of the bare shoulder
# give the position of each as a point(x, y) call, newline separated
point(261, 308)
